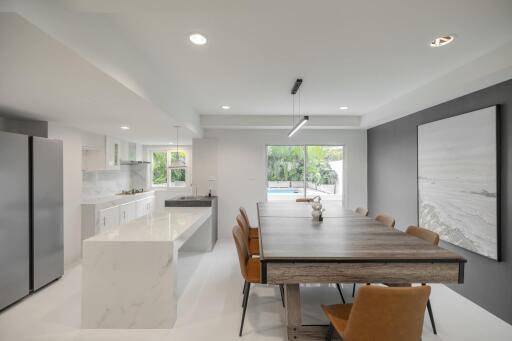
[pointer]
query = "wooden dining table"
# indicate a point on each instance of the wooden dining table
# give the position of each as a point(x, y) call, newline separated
point(343, 248)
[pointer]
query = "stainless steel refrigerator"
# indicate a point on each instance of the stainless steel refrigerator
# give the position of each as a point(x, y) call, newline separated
point(31, 215)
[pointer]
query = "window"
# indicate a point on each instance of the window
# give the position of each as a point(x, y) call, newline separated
point(159, 169)
point(168, 168)
point(304, 171)
point(178, 169)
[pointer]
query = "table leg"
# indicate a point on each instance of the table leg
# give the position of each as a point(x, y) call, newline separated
point(296, 331)
point(293, 305)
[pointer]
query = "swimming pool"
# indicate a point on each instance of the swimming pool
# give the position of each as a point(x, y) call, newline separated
point(283, 191)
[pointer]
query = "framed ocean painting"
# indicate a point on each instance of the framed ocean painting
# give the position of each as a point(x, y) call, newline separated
point(458, 180)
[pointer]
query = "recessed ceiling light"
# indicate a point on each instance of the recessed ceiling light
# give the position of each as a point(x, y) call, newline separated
point(171, 142)
point(226, 107)
point(442, 41)
point(343, 108)
point(125, 127)
point(198, 39)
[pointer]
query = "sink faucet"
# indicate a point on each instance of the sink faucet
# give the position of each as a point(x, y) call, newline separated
point(195, 189)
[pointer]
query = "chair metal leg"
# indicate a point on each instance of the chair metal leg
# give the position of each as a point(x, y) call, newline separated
point(245, 289)
point(341, 293)
point(281, 289)
point(330, 331)
point(354, 290)
point(246, 299)
point(429, 308)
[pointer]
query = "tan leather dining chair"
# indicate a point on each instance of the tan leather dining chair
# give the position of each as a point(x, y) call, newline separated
point(252, 243)
point(250, 269)
point(304, 200)
point(253, 231)
point(386, 220)
point(433, 238)
point(370, 318)
point(424, 234)
point(389, 222)
point(362, 211)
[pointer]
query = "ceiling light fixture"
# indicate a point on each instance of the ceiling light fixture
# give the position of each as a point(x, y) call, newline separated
point(343, 108)
point(125, 127)
point(442, 41)
point(305, 119)
point(226, 107)
point(198, 39)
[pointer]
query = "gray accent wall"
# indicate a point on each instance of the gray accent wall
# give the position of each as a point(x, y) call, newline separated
point(392, 188)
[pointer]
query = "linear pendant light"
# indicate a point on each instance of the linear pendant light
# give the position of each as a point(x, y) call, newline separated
point(178, 163)
point(305, 119)
point(299, 125)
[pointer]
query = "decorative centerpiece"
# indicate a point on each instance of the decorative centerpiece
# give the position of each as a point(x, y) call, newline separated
point(316, 205)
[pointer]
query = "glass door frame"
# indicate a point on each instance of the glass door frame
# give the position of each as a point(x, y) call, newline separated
point(305, 146)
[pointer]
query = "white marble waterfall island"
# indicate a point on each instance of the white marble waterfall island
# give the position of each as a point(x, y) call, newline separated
point(129, 272)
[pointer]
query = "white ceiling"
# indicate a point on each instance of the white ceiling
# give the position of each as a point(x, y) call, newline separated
point(372, 56)
point(42, 79)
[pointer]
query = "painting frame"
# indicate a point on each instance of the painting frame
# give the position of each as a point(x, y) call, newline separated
point(497, 108)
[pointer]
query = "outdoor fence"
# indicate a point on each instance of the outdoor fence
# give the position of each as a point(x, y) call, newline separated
point(299, 185)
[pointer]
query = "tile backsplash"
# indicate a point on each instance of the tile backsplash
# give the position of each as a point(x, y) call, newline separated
point(106, 183)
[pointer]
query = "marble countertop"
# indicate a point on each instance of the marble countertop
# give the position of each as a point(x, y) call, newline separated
point(167, 224)
point(118, 199)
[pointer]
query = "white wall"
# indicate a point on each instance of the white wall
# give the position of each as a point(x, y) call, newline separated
point(72, 150)
point(205, 174)
point(241, 160)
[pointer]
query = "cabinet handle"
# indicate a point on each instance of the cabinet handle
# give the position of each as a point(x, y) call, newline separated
point(104, 221)
point(124, 214)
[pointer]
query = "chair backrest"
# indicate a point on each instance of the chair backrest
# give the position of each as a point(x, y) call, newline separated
point(424, 234)
point(387, 314)
point(362, 211)
point(386, 220)
point(241, 222)
point(304, 200)
point(242, 249)
point(243, 212)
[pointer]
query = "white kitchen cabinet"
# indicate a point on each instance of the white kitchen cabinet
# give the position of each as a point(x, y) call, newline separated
point(92, 141)
point(103, 153)
point(113, 153)
point(133, 152)
point(108, 217)
point(127, 212)
point(125, 150)
point(145, 206)
point(100, 215)
point(139, 154)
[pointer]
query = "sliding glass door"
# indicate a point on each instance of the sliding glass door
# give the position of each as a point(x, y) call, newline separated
point(302, 171)
point(285, 172)
point(324, 172)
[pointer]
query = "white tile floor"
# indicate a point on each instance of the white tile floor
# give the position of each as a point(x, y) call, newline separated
point(209, 309)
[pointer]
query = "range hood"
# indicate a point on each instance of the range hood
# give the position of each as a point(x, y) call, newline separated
point(133, 162)
point(133, 156)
